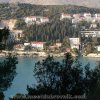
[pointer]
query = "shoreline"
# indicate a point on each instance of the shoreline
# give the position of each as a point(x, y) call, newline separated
point(30, 54)
point(42, 54)
point(92, 55)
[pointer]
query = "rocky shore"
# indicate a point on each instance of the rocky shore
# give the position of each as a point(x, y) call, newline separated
point(30, 53)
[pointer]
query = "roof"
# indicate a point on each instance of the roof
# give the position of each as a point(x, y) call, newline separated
point(66, 14)
point(38, 42)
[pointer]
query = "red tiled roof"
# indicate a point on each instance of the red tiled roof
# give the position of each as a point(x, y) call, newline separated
point(38, 42)
point(66, 14)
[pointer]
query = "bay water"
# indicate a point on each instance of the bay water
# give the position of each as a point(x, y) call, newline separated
point(25, 73)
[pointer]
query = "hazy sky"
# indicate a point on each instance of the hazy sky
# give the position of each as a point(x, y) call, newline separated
point(89, 3)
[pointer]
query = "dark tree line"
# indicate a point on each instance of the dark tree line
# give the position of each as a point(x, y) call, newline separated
point(7, 73)
point(4, 33)
point(8, 11)
point(52, 31)
point(68, 77)
point(7, 65)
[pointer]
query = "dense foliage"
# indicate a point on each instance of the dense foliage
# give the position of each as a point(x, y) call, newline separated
point(7, 72)
point(18, 10)
point(4, 34)
point(52, 31)
point(68, 77)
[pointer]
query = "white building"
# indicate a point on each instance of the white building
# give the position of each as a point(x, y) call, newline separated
point(87, 15)
point(63, 15)
point(18, 34)
point(97, 16)
point(90, 33)
point(74, 43)
point(26, 44)
point(36, 19)
point(30, 19)
point(38, 45)
point(58, 44)
point(76, 16)
point(44, 19)
point(98, 48)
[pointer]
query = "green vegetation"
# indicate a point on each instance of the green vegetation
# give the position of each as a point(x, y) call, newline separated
point(90, 44)
point(53, 31)
point(68, 77)
point(7, 73)
point(8, 11)
point(4, 33)
point(20, 24)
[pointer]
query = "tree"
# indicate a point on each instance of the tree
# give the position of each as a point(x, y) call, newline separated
point(7, 72)
point(95, 91)
point(28, 48)
point(20, 24)
point(4, 33)
point(66, 42)
point(63, 78)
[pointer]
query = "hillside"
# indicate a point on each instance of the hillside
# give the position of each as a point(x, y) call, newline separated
point(8, 11)
point(87, 3)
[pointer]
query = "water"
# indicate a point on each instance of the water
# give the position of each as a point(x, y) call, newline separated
point(25, 76)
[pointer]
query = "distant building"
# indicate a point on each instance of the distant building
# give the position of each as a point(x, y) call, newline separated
point(38, 45)
point(58, 44)
point(87, 15)
point(74, 43)
point(19, 47)
point(98, 48)
point(18, 34)
point(90, 33)
point(36, 19)
point(97, 16)
point(63, 15)
point(26, 44)
point(93, 25)
point(77, 16)
point(30, 19)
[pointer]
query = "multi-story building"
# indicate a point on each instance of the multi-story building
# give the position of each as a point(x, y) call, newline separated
point(74, 43)
point(97, 15)
point(36, 19)
point(38, 45)
point(18, 34)
point(88, 33)
point(63, 15)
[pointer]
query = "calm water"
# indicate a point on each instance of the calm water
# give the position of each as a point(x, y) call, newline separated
point(25, 77)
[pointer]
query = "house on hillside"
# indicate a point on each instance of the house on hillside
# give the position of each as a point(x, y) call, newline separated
point(88, 17)
point(97, 15)
point(19, 47)
point(38, 45)
point(98, 48)
point(18, 34)
point(74, 43)
point(91, 33)
point(30, 19)
point(77, 16)
point(36, 19)
point(63, 15)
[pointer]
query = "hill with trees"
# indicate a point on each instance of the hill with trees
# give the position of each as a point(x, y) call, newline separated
point(19, 10)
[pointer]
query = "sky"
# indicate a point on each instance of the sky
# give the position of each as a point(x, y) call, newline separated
point(88, 3)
